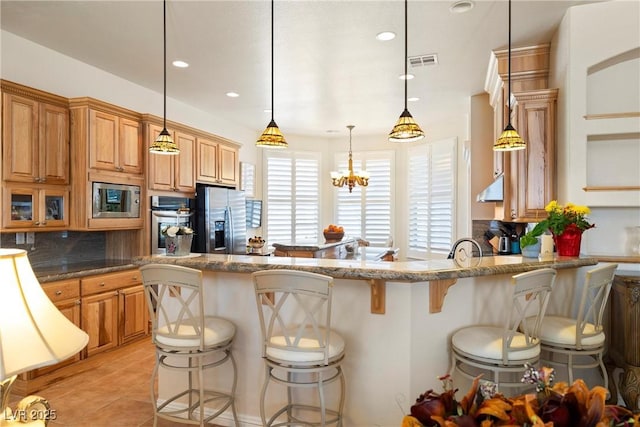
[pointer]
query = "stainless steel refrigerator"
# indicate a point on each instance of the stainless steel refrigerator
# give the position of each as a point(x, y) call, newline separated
point(220, 221)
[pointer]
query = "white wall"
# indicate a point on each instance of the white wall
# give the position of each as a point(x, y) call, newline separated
point(590, 35)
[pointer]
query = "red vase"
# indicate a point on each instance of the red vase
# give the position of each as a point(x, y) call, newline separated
point(568, 243)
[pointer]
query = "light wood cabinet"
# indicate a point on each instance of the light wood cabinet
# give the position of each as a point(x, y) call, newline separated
point(113, 310)
point(106, 146)
point(115, 143)
point(35, 139)
point(171, 172)
point(28, 208)
point(216, 162)
point(533, 170)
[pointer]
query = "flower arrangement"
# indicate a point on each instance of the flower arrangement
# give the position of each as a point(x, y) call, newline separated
point(175, 230)
point(558, 405)
point(570, 217)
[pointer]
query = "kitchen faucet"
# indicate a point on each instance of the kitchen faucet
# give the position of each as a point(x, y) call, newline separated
point(463, 250)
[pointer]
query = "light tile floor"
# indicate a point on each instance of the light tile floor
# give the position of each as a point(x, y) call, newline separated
point(114, 394)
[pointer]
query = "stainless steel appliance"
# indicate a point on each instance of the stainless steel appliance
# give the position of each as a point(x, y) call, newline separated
point(220, 221)
point(167, 211)
point(116, 200)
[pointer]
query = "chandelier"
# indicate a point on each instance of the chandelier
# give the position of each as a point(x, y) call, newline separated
point(349, 177)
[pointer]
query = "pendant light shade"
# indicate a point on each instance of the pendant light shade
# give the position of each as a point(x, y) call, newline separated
point(164, 143)
point(406, 128)
point(272, 137)
point(509, 140)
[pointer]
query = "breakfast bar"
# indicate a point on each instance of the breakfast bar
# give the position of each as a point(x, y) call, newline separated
point(392, 357)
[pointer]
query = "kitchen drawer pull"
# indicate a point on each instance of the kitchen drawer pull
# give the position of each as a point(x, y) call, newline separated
point(58, 292)
point(101, 284)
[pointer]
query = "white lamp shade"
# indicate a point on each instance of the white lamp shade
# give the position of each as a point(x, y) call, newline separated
point(33, 332)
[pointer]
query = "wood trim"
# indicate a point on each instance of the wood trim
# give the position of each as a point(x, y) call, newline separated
point(612, 188)
point(437, 291)
point(612, 115)
point(39, 95)
point(378, 295)
point(105, 107)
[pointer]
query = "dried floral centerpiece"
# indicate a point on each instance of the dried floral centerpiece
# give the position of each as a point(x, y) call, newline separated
point(558, 405)
point(177, 240)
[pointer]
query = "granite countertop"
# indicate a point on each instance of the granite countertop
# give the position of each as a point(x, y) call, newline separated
point(72, 270)
point(402, 271)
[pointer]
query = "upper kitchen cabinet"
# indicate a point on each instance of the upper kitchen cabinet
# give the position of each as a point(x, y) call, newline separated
point(111, 133)
point(529, 174)
point(172, 172)
point(217, 162)
point(35, 136)
point(106, 147)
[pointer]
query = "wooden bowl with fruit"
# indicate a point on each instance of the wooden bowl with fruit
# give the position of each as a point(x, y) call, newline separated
point(333, 233)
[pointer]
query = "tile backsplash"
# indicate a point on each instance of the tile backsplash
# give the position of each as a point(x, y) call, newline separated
point(58, 247)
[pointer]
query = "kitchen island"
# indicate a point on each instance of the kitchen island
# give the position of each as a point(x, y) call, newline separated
point(390, 358)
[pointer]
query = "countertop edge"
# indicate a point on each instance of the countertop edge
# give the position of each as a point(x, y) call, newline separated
point(409, 271)
point(54, 277)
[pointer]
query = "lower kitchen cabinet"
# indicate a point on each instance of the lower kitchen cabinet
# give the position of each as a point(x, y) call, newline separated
point(114, 311)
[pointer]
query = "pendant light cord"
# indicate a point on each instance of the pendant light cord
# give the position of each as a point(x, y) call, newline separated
point(164, 63)
point(406, 54)
point(272, 66)
point(509, 66)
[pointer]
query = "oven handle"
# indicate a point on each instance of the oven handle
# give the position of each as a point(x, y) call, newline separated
point(171, 214)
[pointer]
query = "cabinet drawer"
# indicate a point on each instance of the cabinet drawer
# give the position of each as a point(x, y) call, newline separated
point(110, 282)
point(62, 290)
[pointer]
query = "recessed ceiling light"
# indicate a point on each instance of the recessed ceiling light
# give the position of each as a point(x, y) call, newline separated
point(386, 36)
point(333, 131)
point(461, 6)
point(413, 99)
point(180, 64)
point(406, 77)
point(267, 110)
point(232, 95)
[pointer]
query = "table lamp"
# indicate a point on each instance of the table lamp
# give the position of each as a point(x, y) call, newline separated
point(33, 334)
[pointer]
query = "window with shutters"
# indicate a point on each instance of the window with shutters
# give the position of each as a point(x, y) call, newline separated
point(431, 197)
point(366, 212)
point(292, 196)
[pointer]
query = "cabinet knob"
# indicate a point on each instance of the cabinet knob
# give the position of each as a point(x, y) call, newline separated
point(37, 223)
point(101, 284)
point(58, 293)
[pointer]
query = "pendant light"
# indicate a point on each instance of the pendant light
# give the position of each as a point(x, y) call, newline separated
point(272, 137)
point(406, 128)
point(350, 178)
point(164, 143)
point(509, 140)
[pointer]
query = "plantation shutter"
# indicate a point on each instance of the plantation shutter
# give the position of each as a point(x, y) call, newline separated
point(292, 197)
point(431, 198)
point(366, 211)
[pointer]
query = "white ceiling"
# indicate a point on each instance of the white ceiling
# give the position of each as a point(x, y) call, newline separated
point(330, 70)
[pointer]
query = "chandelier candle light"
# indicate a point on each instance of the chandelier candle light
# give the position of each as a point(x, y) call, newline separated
point(509, 140)
point(164, 144)
point(349, 177)
point(272, 137)
point(406, 128)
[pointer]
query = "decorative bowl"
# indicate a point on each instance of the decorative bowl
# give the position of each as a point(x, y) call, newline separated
point(256, 245)
point(332, 236)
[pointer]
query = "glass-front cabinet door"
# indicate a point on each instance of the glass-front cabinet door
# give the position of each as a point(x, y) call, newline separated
point(35, 208)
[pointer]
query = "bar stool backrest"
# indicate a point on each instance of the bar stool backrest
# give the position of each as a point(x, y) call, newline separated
point(530, 298)
point(595, 295)
point(176, 306)
point(294, 308)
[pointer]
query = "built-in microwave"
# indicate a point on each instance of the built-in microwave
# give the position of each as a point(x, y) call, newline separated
point(116, 200)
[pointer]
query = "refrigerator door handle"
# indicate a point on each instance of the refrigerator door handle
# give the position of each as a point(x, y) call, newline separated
point(229, 236)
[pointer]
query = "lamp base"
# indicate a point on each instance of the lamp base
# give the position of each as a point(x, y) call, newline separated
point(31, 411)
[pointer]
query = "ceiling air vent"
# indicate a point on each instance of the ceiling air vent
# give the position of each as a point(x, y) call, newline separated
point(423, 60)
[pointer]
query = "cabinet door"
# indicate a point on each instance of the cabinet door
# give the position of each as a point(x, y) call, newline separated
point(103, 140)
point(134, 315)
point(100, 321)
point(228, 165)
point(160, 166)
point(130, 148)
point(53, 144)
point(207, 161)
point(54, 208)
point(185, 164)
point(19, 207)
point(20, 138)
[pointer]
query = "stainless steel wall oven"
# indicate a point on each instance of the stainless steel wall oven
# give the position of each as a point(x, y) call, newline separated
point(167, 211)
